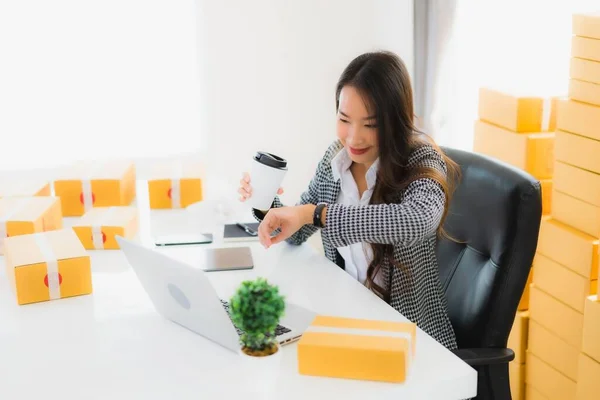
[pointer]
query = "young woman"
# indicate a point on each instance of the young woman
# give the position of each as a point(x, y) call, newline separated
point(379, 195)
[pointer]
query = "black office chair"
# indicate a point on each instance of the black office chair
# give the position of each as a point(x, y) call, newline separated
point(495, 216)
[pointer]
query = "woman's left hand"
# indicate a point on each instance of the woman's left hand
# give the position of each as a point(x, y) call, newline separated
point(287, 219)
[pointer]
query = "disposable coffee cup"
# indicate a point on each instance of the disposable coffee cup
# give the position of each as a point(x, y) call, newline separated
point(266, 175)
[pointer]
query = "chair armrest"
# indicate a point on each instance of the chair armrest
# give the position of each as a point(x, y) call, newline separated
point(477, 357)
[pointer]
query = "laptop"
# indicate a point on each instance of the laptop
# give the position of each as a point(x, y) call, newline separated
point(185, 296)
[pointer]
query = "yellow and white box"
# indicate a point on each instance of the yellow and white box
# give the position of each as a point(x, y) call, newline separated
point(547, 188)
point(85, 185)
point(587, 48)
point(585, 70)
point(591, 328)
point(516, 374)
point(517, 112)
point(517, 340)
point(569, 247)
point(47, 266)
point(546, 380)
point(576, 150)
point(176, 184)
point(24, 215)
point(576, 213)
point(98, 228)
point(563, 284)
point(19, 187)
point(553, 350)
point(555, 316)
point(588, 384)
point(586, 24)
point(533, 152)
point(586, 92)
point(579, 118)
point(357, 349)
point(576, 182)
point(533, 394)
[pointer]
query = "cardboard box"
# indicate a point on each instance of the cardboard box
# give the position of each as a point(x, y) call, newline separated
point(47, 266)
point(24, 215)
point(553, 350)
point(578, 151)
point(579, 118)
point(591, 328)
point(588, 384)
point(95, 184)
point(24, 187)
point(532, 152)
point(99, 226)
point(547, 185)
point(584, 70)
point(517, 339)
point(557, 317)
point(586, 24)
point(587, 48)
point(586, 92)
point(576, 213)
point(563, 284)
point(576, 182)
point(548, 381)
point(344, 348)
point(569, 247)
point(532, 394)
point(517, 112)
point(176, 184)
point(516, 374)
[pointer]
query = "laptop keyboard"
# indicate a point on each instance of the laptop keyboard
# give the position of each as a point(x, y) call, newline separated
point(280, 330)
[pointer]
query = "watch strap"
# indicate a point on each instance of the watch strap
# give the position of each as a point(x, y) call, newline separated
point(317, 215)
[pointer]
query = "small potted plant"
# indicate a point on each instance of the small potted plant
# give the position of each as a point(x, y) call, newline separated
point(256, 309)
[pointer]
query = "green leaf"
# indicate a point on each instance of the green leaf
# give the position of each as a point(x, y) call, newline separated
point(256, 308)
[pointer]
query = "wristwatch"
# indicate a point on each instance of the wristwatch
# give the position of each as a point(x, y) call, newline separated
point(317, 215)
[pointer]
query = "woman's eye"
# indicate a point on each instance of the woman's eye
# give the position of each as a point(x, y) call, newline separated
point(345, 121)
point(371, 126)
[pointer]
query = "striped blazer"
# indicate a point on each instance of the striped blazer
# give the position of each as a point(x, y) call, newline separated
point(409, 225)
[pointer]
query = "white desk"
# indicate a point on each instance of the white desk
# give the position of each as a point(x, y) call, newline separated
point(113, 345)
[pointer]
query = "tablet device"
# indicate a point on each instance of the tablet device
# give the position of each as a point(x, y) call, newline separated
point(184, 239)
point(227, 259)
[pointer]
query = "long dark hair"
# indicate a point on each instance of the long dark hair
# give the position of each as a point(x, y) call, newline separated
point(384, 84)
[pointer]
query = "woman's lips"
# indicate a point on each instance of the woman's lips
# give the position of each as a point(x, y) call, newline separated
point(358, 152)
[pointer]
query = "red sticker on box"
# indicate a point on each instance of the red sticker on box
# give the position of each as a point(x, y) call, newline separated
point(81, 198)
point(46, 279)
point(103, 237)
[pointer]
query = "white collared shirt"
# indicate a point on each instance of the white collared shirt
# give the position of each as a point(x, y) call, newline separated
point(357, 256)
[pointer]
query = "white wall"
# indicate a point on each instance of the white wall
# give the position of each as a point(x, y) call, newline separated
point(269, 68)
point(99, 79)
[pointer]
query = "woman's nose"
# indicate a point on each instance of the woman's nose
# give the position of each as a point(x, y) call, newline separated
point(354, 134)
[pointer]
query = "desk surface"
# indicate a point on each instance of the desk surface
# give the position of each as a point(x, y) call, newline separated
point(112, 344)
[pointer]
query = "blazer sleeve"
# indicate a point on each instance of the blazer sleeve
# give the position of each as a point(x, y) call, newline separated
point(310, 196)
point(416, 217)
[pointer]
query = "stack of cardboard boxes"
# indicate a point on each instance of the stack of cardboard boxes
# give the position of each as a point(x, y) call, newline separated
point(563, 351)
point(519, 130)
point(585, 87)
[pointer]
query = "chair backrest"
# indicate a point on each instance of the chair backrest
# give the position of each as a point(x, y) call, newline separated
point(494, 216)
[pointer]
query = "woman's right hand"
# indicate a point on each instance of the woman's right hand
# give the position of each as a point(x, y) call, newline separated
point(245, 190)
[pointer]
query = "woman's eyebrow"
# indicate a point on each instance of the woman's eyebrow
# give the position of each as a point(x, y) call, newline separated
point(364, 119)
